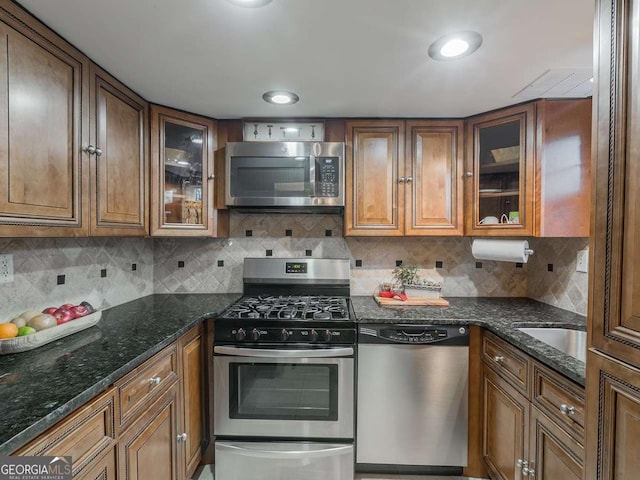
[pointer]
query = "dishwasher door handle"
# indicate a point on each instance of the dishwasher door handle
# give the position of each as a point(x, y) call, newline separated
point(293, 454)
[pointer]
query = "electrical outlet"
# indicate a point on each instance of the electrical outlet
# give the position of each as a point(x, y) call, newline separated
point(582, 261)
point(6, 268)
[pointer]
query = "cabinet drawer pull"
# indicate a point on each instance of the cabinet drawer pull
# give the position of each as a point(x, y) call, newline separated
point(90, 149)
point(182, 437)
point(498, 359)
point(528, 472)
point(521, 463)
point(567, 409)
point(155, 380)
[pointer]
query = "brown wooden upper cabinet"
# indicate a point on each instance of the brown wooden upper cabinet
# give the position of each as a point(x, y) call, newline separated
point(43, 123)
point(119, 158)
point(392, 191)
point(182, 178)
point(528, 170)
point(500, 172)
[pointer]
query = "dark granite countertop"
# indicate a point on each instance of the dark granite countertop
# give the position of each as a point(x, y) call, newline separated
point(501, 316)
point(42, 386)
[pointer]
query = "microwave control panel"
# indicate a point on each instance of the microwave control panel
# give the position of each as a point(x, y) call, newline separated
point(327, 176)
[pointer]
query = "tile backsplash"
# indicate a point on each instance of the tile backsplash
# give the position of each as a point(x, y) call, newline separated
point(180, 265)
point(39, 263)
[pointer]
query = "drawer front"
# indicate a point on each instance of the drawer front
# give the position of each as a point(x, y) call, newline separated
point(507, 361)
point(145, 383)
point(103, 468)
point(559, 398)
point(84, 436)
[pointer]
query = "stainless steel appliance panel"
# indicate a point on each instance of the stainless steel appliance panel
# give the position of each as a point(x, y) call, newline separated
point(296, 270)
point(283, 461)
point(285, 174)
point(412, 404)
point(248, 407)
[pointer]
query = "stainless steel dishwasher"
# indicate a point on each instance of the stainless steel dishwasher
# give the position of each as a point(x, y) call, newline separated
point(412, 403)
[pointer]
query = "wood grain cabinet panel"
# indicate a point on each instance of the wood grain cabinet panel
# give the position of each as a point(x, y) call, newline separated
point(613, 431)
point(86, 435)
point(119, 168)
point(505, 427)
point(149, 448)
point(146, 382)
point(43, 122)
point(554, 453)
point(102, 468)
point(192, 386)
point(509, 362)
point(433, 178)
point(374, 160)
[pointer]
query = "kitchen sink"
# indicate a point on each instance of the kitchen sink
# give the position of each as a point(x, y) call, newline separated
point(571, 342)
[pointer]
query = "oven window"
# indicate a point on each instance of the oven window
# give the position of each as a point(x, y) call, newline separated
point(273, 391)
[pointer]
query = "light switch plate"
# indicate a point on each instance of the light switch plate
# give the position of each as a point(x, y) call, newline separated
point(6, 268)
point(582, 261)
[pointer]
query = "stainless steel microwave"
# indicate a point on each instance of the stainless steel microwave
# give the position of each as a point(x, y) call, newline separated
point(285, 174)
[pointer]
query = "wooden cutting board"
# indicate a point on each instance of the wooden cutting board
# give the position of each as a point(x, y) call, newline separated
point(411, 302)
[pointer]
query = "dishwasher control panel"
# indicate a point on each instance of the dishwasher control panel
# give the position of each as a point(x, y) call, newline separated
point(414, 334)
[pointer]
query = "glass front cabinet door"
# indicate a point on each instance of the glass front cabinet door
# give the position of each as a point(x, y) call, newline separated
point(500, 171)
point(182, 156)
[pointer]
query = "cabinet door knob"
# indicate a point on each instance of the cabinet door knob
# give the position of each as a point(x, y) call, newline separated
point(409, 179)
point(98, 151)
point(90, 149)
point(182, 437)
point(211, 176)
point(469, 174)
point(498, 359)
point(528, 472)
point(520, 463)
point(155, 380)
point(567, 409)
point(402, 180)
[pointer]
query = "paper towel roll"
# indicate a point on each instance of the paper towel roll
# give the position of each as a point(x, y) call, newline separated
point(501, 250)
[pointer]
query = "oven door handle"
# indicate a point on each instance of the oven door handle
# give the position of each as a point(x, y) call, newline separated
point(292, 454)
point(273, 353)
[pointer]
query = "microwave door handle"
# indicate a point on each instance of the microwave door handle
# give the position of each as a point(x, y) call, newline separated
point(274, 353)
point(291, 454)
point(312, 175)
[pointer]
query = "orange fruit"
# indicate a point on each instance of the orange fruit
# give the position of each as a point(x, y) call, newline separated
point(8, 330)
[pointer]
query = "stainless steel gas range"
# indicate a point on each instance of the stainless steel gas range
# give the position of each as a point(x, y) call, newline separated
point(284, 359)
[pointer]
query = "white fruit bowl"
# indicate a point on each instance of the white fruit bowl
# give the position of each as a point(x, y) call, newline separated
point(38, 339)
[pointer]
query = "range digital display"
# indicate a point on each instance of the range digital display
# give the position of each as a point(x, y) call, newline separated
point(296, 267)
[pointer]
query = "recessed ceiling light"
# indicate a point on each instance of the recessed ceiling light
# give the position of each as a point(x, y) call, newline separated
point(280, 97)
point(456, 45)
point(250, 3)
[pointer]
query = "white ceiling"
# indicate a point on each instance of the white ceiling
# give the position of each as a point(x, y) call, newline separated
point(342, 57)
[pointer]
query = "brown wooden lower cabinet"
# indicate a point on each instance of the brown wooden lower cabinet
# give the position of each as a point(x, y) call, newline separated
point(191, 374)
point(149, 448)
point(505, 415)
point(102, 468)
point(162, 436)
point(520, 442)
point(613, 415)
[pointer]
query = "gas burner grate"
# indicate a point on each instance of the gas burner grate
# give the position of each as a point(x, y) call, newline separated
point(293, 307)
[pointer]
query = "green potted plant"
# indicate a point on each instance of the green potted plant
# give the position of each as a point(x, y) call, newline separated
point(408, 276)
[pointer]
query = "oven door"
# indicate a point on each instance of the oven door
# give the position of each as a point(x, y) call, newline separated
point(261, 392)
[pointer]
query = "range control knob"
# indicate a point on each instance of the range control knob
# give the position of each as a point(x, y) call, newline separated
point(241, 334)
point(313, 335)
point(254, 335)
point(284, 335)
point(327, 335)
